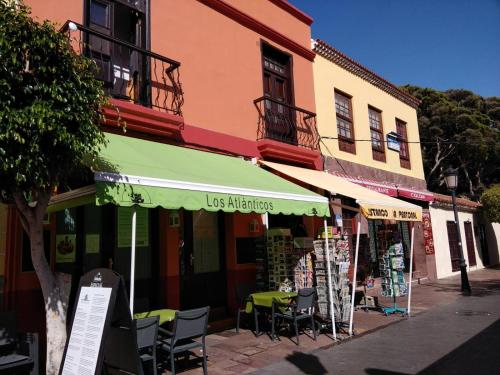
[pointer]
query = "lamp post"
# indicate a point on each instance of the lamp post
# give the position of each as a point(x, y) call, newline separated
point(451, 179)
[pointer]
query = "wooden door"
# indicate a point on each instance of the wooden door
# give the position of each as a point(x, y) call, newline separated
point(469, 239)
point(280, 124)
point(454, 249)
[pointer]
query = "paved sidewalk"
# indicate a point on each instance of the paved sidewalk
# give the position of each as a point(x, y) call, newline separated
point(231, 353)
point(459, 338)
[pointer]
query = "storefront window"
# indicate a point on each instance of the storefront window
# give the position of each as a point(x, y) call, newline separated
point(66, 236)
point(205, 242)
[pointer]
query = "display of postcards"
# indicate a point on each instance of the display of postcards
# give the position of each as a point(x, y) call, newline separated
point(398, 249)
point(401, 278)
point(346, 313)
point(320, 272)
point(387, 293)
point(322, 293)
point(386, 281)
point(398, 263)
point(403, 289)
point(343, 267)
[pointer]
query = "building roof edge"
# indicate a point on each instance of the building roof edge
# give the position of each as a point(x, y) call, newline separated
point(334, 55)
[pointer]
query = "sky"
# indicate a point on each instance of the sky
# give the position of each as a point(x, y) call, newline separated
point(442, 44)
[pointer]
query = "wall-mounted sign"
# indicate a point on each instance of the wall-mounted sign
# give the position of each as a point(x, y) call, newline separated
point(393, 141)
point(65, 248)
point(173, 219)
point(124, 227)
point(92, 243)
point(428, 236)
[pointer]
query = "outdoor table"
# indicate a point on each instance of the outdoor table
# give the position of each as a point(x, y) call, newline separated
point(166, 315)
point(265, 299)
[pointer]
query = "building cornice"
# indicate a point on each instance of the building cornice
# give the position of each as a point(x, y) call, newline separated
point(332, 54)
point(442, 200)
point(259, 27)
point(297, 13)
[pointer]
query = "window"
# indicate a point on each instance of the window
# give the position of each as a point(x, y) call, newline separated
point(377, 134)
point(404, 155)
point(99, 14)
point(276, 67)
point(345, 128)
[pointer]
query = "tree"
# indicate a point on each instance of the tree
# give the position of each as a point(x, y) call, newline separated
point(491, 203)
point(49, 128)
point(460, 129)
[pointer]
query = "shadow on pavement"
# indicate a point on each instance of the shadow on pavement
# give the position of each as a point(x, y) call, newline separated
point(478, 356)
point(480, 288)
point(307, 363)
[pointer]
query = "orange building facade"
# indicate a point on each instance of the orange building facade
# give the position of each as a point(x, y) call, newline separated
point(223, 76)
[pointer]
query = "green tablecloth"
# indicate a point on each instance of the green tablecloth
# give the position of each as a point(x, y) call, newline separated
point(265, 299)
point(166, 315)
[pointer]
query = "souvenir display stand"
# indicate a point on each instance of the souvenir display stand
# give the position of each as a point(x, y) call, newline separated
point(261, 273)
point(339, 266)
point(289, 264)
point(392, 276)
point(303, 271)
point(280, 259)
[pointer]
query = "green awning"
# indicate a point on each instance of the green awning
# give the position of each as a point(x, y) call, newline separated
point(153, 174)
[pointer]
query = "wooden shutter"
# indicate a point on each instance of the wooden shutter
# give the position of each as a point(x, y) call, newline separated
point(452, 241)
point(469, 239)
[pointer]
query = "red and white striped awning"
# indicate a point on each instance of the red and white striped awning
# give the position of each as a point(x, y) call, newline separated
point(384, 188)
point(389, 189)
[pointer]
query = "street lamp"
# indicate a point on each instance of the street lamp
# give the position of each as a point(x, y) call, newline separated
point(451, 179)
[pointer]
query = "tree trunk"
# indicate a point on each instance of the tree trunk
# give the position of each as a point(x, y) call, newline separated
point(55, 300)
point(55, 293)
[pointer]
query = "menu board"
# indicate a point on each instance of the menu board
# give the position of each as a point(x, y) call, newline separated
point(87, 330)
point(124, 229)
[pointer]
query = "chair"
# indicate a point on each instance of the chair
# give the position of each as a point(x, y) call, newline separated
point(243, 292)
point(147, 335)
point(18, 352)
point(298, 310)
point(188, 325)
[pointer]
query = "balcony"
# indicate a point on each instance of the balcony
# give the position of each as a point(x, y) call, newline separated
point(287, 133)
point(130, 73)
point(286, 123)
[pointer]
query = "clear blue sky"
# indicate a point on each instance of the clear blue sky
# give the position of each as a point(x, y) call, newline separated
point(441, 44)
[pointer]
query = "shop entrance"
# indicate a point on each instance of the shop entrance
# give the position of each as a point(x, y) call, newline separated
point(203, 268)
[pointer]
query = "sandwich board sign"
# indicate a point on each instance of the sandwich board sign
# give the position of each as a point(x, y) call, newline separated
point(102, 334)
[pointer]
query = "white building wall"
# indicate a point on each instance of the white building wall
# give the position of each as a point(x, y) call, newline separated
point(493, 241)
point(439, 217)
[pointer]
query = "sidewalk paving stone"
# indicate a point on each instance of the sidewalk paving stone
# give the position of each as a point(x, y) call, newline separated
point(249, 353)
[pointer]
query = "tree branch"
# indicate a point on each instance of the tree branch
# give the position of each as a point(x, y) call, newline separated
point(25, 212)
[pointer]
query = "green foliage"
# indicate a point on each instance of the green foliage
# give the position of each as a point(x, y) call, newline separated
point(491, 203)
point(459, 129)
point(49, 105)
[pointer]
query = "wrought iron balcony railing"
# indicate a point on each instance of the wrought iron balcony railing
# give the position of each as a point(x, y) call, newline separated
point(285, 123)
point(129, 72)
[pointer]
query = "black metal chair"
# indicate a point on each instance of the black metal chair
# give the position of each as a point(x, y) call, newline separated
point(243, 292)
point(18, 351)
point(188, 325)
point(298, 310)
point(147, 335)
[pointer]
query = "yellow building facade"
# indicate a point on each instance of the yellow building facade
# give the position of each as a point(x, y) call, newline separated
point(336, 75)
point(369, 135)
